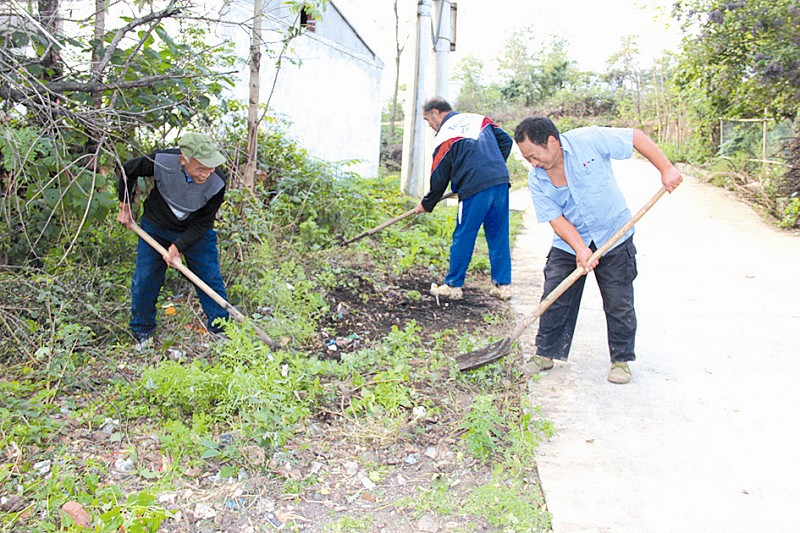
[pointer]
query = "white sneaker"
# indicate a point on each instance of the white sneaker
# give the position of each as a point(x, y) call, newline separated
point(501, 292)
point(144, 344)
point(446, 291)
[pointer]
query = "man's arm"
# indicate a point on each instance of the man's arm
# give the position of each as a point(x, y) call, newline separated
point(670, 176)
point(440, 177)
point(504, 141)
point(143, 166)
point(567, 231)
point(132, 170)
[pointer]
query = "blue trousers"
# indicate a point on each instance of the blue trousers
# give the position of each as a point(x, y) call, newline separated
point(615, 274)
point(201, 258)
point(490, 209)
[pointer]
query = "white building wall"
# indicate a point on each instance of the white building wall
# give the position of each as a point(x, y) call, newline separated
point(329, 91)
point(333, 102)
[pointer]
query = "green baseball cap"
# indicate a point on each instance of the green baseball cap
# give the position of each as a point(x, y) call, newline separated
point(202, 148)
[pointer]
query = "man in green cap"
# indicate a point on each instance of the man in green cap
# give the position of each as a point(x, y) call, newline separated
point(179, 213)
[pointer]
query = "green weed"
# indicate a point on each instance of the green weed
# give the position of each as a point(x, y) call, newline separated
point(437, 498)
point(349, 524)
point(266, 396)
point(485, 426)
point(26, 415)
point(510, 504)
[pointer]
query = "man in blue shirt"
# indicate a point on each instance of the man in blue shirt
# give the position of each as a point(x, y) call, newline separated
point(574, 189)
point(470, 154)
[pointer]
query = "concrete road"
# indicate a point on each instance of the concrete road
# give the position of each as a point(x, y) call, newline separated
point(705, 437)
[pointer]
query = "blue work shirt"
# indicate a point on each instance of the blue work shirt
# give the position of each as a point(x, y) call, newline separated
point(591, 200)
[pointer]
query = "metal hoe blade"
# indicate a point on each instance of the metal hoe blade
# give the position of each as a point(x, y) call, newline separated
point(485, 355)
point(493, 352)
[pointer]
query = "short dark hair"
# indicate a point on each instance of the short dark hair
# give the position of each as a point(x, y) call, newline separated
point(537, 129)
point(438, 103)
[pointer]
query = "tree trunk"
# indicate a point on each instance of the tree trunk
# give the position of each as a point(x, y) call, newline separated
point(255, 87)
point(93, 140)
point(398, 52)
point(50, 19)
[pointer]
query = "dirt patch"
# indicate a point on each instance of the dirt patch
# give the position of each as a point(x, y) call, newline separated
point(368, 311)
point(340, 472)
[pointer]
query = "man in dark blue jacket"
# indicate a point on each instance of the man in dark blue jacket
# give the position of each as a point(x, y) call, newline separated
point(179, 213)
point(470, 154)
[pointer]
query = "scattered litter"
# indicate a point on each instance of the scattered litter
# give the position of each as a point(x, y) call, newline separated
point(43, 467)
point(274, 521)
point(109, 425)
point(368, 483)
point(331, 344)
point(342, 342)
point(430, 451)
point(203, 510)
point(167, 497)
point(254, 455)
point(123, 465)
point(77, 513)
point(427, 524)
point(176, 355)
point(12, 504)
point(226, 439)
point(350, 468)
point(412, 459)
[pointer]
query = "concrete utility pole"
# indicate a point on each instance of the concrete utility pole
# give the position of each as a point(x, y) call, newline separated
point(413, 171)
point(443, 41)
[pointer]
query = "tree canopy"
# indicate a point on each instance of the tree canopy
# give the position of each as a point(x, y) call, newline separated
point(743, 55)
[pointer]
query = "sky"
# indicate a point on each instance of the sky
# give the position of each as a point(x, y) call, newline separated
point(593, 29)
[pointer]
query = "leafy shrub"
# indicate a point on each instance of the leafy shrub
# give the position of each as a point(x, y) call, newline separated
point(266, 394)
point(48, 194)
point(791, 214)
point(485, 427)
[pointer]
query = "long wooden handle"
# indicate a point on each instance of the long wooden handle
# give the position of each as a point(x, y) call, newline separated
point(203, 286)
point(388, 223)
point(580, 271)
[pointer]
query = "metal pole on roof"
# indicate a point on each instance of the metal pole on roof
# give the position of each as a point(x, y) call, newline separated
point(412, 175)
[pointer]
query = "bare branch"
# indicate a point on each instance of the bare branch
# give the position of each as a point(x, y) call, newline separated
point(22, 95)
point(170, 11)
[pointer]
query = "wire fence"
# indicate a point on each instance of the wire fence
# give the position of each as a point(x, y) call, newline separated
point(761, 140)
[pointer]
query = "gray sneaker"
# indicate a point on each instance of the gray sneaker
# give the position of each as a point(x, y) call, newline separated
point(446, 291)
point(620, 373)
point(537, 364)
point(501, 292)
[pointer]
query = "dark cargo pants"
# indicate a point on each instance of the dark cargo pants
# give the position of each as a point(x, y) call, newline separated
point(615, 274)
